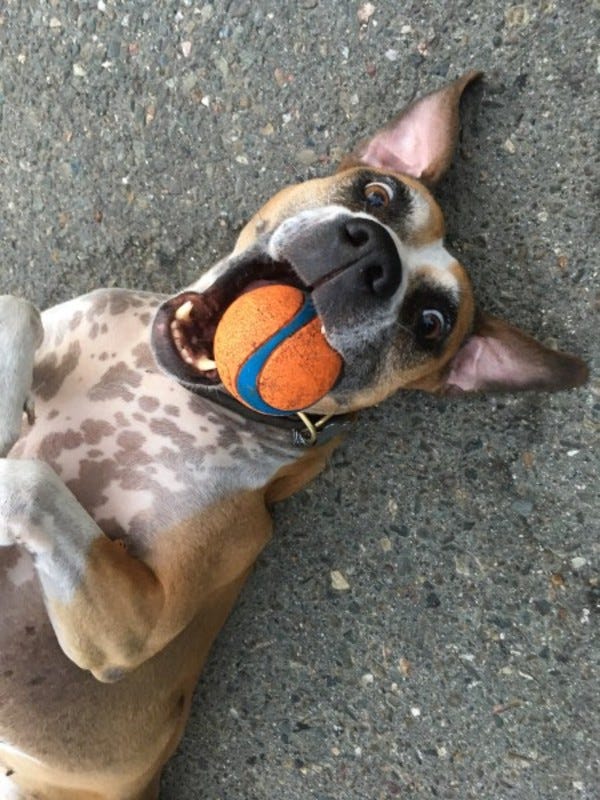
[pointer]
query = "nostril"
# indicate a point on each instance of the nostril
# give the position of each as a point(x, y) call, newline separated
point(357, 232)
point(373, 277)
point(382, 281)
point(367, 249)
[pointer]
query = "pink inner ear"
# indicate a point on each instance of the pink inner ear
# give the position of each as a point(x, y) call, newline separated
point(500, 357)
point(383, 152)
point(415, 143)
point(421, 139)
point(484, 363)
point(464, 370)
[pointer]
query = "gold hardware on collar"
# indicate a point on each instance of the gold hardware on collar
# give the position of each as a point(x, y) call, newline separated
point(311, 432)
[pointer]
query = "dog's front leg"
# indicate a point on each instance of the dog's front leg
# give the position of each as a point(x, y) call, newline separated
point(103, 604)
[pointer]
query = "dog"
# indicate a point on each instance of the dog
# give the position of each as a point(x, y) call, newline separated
point(135, 491)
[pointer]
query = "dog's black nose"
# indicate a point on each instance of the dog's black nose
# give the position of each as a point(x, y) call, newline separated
point(368, 246)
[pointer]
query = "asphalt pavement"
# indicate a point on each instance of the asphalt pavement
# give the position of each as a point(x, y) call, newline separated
point(462, 659)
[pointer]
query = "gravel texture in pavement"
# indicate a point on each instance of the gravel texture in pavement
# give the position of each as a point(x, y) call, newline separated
point(424, 623)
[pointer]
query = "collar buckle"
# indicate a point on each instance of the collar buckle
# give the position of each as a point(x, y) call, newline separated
point(321, 430)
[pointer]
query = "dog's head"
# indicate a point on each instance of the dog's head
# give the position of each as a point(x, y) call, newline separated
point(367, 244)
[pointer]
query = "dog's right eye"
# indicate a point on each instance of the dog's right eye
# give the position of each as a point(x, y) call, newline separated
point(378, 194)
point(432, 326)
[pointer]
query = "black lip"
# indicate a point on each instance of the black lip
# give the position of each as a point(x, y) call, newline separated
point(209, 307)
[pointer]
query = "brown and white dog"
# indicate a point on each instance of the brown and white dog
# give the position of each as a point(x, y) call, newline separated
point(135, 502)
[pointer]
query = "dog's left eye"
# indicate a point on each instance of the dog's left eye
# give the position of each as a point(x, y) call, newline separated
point(432, 325)
point(378, 194)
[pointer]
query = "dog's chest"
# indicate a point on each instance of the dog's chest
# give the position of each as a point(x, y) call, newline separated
point(140, 452)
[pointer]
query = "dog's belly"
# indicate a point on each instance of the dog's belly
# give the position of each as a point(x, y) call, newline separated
point(137, 466)
point(141, 454)
point(139, 451)
point(122, 436)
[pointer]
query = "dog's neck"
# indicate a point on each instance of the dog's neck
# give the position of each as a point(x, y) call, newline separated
point(306, 430)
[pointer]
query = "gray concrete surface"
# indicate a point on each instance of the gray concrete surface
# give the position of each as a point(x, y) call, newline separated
point(135, 138)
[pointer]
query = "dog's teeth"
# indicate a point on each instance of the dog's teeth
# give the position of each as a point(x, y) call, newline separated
point(187, 356)
point(204, 363)
point(323, 329)
point(201, 363)
point(184, 311)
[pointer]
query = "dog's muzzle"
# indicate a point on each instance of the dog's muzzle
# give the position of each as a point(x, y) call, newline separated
point(348, 263)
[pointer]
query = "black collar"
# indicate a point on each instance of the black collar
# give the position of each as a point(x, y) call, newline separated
point(306, 430)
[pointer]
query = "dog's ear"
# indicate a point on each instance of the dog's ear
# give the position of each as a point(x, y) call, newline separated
point(498, 357)
point(421, 140)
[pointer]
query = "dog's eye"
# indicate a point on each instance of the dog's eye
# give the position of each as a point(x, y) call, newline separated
point(378, 195)
point(432, 326)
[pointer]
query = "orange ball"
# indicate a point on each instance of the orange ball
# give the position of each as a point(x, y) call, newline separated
point(270, 352)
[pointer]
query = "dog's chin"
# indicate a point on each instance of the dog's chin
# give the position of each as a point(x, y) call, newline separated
point(184, 327)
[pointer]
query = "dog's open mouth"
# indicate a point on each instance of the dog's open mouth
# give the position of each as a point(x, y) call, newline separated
point(185, 325)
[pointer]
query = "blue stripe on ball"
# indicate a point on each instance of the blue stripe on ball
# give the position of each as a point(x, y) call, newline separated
point(247, 379)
